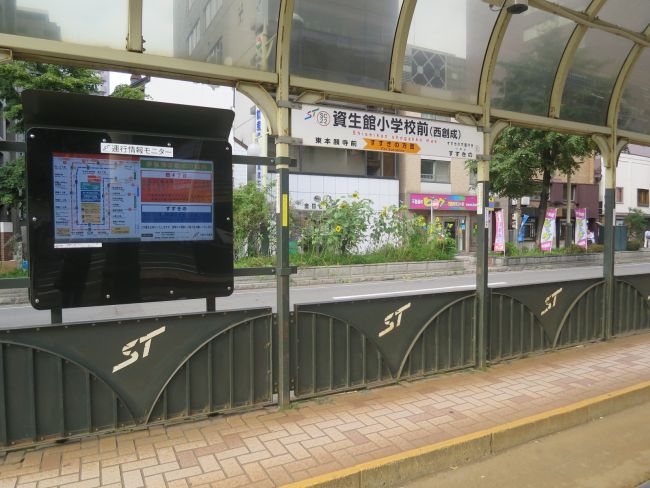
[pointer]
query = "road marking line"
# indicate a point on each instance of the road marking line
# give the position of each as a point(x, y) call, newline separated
point(421, 290)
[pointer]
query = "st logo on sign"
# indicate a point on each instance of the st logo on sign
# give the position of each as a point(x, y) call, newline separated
point(133, 355)
point(551, 300)
point(394, 319)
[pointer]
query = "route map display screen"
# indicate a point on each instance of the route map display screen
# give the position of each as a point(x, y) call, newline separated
point(101, 198)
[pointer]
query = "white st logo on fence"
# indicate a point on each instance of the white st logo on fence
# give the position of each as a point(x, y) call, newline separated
point(133, 356)
point(551, 300)
point(394, 319)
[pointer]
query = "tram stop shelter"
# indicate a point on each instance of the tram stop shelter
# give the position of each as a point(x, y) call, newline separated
point(574, 66)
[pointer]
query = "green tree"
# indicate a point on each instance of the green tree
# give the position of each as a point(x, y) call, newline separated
point(525, 160)
point(636, 222)
point(22, 75)
point(252, 219)
point(127, 91)
point(12, 182)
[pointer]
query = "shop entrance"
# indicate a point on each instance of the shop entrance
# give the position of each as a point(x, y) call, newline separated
point(455, 228)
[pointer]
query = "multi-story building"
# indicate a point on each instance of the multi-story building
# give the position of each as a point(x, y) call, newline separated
point(632, 182)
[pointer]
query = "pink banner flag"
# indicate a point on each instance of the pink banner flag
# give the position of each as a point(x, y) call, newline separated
point(548, 231)
point(499, 238)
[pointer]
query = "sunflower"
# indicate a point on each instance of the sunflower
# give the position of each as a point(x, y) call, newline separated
point(338, 228)
point(355, 194)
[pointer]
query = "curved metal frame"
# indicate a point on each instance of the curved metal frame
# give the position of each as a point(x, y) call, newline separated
point(134, 58)
point(117, 397)
point(425, 327)
point(555, 104)
point(399, 45)
point(528, 310)
point(197, 349)
point(573, 305)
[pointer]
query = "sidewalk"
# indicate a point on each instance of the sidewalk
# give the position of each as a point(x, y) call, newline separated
point(267, 448)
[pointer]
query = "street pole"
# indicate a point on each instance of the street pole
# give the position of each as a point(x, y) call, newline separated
point(568, 237)
point(610, 147)
point(609, 251)
point(282, 201)
point(482, 290)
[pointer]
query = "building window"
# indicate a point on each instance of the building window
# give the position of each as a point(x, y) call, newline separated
point(193, 38)
point(573, 192)
point(380, 164)
point(642, 198)
point(216, 53)
point(435, 171)
point(211, 10)
point(619, 194)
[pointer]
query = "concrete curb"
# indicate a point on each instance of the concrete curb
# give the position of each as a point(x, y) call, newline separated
point(409, 465)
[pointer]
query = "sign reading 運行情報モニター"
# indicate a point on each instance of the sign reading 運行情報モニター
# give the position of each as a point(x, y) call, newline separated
point(355, 129)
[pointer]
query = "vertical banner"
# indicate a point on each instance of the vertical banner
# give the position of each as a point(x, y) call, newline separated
point(548, 231)
point(522, 229)
point(581, 227)
point(499, 238)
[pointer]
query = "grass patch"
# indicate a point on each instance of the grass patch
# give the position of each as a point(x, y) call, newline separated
point(14, 273)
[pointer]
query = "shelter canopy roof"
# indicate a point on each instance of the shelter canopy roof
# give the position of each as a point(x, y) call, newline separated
point(575, 65)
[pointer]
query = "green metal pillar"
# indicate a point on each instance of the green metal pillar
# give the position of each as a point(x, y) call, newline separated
point(283, 273)
point(610, 147)
point(482, 290)
point(282, 202)
point(609, 251)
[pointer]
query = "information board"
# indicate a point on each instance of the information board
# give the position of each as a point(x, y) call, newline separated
point(106, 197)
point(125, 218)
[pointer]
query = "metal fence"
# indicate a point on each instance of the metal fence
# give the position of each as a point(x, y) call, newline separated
point(75, 379)
point(78, 379)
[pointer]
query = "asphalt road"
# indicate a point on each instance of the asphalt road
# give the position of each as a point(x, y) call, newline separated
point(25, 315)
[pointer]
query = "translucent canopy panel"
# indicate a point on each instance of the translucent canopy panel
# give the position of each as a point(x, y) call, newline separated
point(596, 66)
point(577, 5)
point(101, 23)
point(446, 48)
point(344, 41)
point(240, 33)
point(634, 112)
point(528, 60)
point(631, 14)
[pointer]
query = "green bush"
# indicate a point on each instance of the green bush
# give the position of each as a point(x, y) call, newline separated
point(633, 245)
point(574, 249)
point(14, 273)
point(253, 219)
point(595, 248)
point(339, 227)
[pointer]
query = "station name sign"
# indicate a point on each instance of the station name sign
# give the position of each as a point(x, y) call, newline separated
point(341, 128)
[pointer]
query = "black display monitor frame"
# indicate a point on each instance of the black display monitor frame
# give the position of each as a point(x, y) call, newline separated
point(124, 271)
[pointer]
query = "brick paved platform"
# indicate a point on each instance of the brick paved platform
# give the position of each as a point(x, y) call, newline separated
point(267, 448)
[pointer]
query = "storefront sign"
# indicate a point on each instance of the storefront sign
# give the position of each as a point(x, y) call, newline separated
point(428, 201)
point(548, 231)
point(354, 129)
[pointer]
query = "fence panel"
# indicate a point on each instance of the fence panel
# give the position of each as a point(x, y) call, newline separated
point(65, 381)
point(343, 345)
point(534, 318)
point(632, 304)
